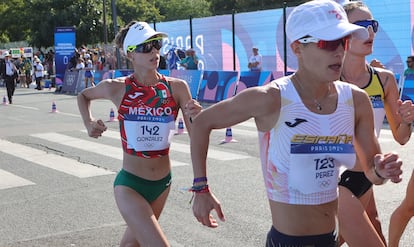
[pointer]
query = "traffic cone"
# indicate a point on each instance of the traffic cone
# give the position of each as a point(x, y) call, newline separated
point(229, 137)
point(54, 110)
point(4, 100)
point(180, 128)
point(111, 115)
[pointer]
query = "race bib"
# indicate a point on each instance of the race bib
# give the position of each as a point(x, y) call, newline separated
point(148, 133)
point(313, 173)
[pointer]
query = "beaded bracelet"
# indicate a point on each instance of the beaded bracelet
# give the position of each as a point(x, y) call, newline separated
point(199, 179)
point(200, 189)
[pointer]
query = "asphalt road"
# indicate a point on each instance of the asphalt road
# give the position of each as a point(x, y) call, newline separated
point(56, 182)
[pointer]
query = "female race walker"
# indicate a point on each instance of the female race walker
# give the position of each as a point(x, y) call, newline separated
point(148, 104)
point(310, 124)
point(356, 196)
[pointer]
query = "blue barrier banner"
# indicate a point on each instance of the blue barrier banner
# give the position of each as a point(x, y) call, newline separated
point(252, 79)
point(408, 88)
point(122, 72)
point(165, 72)
point(65, 43)
point(70, 81)
point(192, 77)
point(217, 85)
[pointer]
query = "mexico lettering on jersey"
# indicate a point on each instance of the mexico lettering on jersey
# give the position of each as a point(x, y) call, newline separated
point(147, 117)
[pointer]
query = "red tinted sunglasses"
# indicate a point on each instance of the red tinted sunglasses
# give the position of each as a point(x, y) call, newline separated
point(330, 45)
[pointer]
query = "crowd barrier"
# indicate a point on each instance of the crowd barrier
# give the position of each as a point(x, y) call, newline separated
point(407, 87)
point(205, 86)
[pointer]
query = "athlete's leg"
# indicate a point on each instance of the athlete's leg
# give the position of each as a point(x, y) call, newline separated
point(354, 225)
point(371, 209)
point(141, 217)
point(402, 215)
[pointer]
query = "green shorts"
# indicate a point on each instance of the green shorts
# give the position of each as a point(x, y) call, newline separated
point(149, 189)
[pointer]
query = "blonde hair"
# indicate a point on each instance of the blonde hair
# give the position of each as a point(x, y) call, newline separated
point(351, 6)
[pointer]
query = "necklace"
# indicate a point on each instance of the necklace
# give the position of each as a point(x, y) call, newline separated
point(318, 104)
point(146, 83)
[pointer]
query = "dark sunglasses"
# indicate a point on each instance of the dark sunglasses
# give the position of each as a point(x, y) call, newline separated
point(366, 23)
point(331, 45)
point(146, 47)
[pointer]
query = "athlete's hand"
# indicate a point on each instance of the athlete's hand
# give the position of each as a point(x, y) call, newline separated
point(192, 108)
point(96, 128)
point(204, 203)
point(389, 166)
point(406, 111)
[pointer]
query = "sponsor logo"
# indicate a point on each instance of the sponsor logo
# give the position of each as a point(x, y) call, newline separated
point(296, 123)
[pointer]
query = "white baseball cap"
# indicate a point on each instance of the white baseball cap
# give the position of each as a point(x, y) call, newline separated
point(322, 19)
point(138, 33)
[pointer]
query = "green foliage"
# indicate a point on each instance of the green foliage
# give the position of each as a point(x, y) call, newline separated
point(183, 9)
point(139, 10)
point(34, 21)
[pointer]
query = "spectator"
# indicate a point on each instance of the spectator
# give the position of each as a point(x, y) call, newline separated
point(410, 66)
point(190, 62)
point(163, 63)
point(102, 60)
point(89, 74)
point(255, 60)
point(27, 69)
point(9, 72)
point(80, 65)
point(73, 60)
point(39, 73)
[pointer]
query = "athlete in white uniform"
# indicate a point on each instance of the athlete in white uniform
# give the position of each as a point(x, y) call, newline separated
point(309, 125)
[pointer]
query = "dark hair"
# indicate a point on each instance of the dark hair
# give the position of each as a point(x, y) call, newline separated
point(120, 36)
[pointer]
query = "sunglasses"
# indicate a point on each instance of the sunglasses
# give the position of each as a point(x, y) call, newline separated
point(147, 46)
point(368, 23)
point(331, 45)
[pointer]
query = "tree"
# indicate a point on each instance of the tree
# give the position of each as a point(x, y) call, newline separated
point(139, 10)
point(84, 15)
point(12, 22)
point(35, 20)
point(183, 9)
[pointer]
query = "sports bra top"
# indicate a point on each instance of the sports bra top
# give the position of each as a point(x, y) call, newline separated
point(147, 117)
point(375, 91)
point(302, 154)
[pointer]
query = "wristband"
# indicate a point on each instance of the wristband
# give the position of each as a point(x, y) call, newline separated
point(200, 189)
point(199, 180)
point(376, 173)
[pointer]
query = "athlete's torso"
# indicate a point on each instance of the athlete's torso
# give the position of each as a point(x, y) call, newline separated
point(302, 154)
point(147, 117)
point(375, 91)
